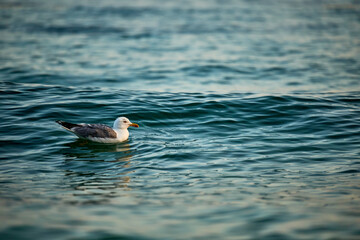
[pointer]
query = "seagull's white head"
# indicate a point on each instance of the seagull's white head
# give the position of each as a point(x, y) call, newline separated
point(123, 123)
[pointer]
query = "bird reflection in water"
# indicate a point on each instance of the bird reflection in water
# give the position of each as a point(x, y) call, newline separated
point(96, 172)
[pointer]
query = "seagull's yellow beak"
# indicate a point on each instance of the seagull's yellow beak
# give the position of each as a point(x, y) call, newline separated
point(134, 125)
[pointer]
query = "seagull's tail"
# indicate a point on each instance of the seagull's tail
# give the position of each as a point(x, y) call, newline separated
point(67, 125)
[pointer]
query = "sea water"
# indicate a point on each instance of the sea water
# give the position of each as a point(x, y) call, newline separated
point(248, 111)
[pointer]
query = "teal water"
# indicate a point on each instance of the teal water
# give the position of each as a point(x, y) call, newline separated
point(248, 111)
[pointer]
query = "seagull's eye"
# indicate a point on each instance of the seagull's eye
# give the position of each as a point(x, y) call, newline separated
point(124, 121)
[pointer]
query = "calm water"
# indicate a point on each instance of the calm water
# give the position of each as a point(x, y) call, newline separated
point(249, 115)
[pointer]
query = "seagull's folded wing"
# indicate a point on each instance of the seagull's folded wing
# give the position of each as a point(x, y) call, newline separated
point(94, 131)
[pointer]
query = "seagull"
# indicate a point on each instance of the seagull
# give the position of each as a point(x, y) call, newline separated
point(100, 132)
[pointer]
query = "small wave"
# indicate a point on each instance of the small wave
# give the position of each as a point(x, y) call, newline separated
point(209, 69)
point(73, 29)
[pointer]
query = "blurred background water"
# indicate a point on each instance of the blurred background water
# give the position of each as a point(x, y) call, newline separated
point(248, 110)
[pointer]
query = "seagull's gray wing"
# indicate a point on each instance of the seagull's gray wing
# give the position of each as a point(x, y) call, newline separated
point(94, 130)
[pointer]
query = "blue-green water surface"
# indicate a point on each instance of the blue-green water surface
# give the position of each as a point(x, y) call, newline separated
point(249, 115)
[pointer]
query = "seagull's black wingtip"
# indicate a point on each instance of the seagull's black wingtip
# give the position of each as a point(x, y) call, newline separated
point(67, 125)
